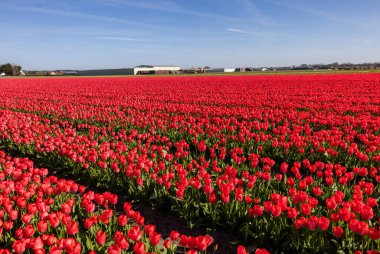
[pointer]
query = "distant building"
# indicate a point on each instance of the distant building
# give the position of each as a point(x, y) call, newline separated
point(138, 70)
point(302, 67)
point(221, 70)
point(267, 69)
point(69, 72)
point(216, 70)
point(151, 69)
point(55, 73)
point(103, 72)
point(282, 68)
point(192, 70)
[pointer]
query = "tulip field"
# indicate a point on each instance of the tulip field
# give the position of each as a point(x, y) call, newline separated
point(286, 163)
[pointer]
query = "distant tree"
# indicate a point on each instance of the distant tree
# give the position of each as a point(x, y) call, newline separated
point(16, 70)
point(6, 68)
point(10, 69)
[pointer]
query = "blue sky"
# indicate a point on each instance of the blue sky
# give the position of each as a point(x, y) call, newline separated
point(87, 34)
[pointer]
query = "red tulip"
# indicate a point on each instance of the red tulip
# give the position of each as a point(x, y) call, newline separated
point(135, 233)
point(42, 226)
point(203, 242)
point(276, 210)
point(26, 218)
point(337, 231)
point(101, 237)
point(174, 235)
point(139, 248)
point(53, 220)
point(292, 213)
point(261, 251)
point(323, 223)
point(19, 246)
point(241, 250)
point(122, 220)
point(306, 209)
point(331, 204)
point(72, 228)
point(18, 233)
point(36, 244)
point(51, 240)
point(13, 215)
point(167, 244)
point(114, 249)
point(121, 240)
point(367, 212)
point(28, 231)
point(183, 241)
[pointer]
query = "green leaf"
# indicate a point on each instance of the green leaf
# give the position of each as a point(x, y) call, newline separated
point(89, 244)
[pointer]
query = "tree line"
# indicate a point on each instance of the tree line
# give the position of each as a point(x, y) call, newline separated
point(10, 69)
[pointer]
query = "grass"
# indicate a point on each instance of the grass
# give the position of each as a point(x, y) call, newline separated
point(289, 72)
point(250, 73)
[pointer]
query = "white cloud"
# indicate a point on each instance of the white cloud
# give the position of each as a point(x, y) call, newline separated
point(255, 13)
point(80, 15)
point(362, 41)
point(256, 33)
point(237, 31)
point(317, 12)
point(161, 5)
point(174, 7)
point(118, 38)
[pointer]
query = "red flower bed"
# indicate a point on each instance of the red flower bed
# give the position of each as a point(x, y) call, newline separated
point(296, 156)
point(46, 214)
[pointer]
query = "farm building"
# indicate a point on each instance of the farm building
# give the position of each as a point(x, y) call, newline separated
point(193, 70)
point(138, 70)
point(106, 72)
point(151, 69)
point(240, 69)
point(221, 70)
